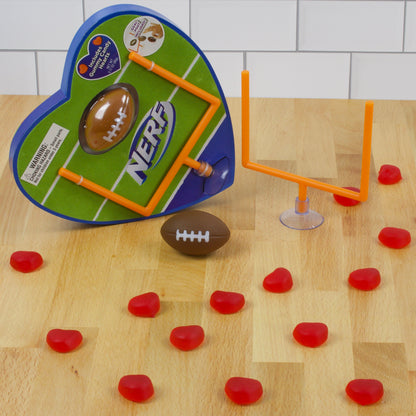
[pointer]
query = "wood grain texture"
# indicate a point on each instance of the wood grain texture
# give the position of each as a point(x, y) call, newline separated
point(90, 273)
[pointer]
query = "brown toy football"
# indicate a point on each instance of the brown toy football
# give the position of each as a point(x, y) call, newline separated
point(196, 233)
point(108, 118)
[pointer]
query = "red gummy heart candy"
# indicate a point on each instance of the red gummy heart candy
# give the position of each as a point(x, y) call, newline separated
point(365, 391)
point(64, 340)
point(347, 202)
point(394, 237)
point(227, 302)
point(187, 338)
point(26, 261)
point(278, 281)
point(311, 334)
point(242, 390)
point(136, 387)
point(365, 279)
point(389, 174)
point(145, 305)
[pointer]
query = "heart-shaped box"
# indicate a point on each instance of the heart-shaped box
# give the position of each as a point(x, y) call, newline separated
point(139, 128)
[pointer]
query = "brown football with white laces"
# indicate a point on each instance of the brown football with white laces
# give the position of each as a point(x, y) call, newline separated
point(196, 233)
point(108, 118)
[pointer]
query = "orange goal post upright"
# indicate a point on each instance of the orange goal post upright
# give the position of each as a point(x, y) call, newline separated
point(301, 217)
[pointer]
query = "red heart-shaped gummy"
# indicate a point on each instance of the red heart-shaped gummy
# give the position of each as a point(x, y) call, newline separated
point(365, 279)
point(145, 305)
point(136, 387)
point(227, 302)
point(26, 261)
point(389, 174)
point(311, 334)
point(278, 281)
point(394, 237)
point(64, 340)
point(365, 391)
point(187, 338)
point(347, 202)
point(243, 390)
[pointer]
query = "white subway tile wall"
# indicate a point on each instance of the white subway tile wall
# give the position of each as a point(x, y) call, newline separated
point(18, 73)
point(244, 25)
point(351, 25)
point(364, 49)
point(380, 76)
point(299, 75)
point(176, 11)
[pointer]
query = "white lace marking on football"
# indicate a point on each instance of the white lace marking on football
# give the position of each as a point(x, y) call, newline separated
point(115, 127)
point(192, 236)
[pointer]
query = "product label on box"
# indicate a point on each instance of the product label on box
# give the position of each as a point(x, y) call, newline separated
point(102, 59)
point(44, 154)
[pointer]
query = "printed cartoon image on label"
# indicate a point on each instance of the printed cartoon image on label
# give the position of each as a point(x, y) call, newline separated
point(144, 35)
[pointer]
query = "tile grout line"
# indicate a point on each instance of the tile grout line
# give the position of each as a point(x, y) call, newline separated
point(37, 72)
point(297, 26)
point(350, 78)
point(404, 25)
point(190, 18)
point(281, 51)
point(83, 10)
point(305, 52)
point(400, 50)
point(33, 50)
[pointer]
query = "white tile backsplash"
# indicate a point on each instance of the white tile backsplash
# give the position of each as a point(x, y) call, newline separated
point(244, 25)
point(318, 48)
point(351, 25)
point(18, 72)
point(227, 67)
point(39, 25)
point(298, 75)
point(176, 11)
point(383, 76)
point(50, 70)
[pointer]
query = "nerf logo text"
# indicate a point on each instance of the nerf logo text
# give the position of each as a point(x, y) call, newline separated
point(151, 140)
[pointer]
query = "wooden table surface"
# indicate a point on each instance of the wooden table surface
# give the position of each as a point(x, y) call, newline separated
point(90, 273)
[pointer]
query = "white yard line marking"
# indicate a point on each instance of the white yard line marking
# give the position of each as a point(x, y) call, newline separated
point(187, 72)
point(112, 189)
point(120, 177)
point(126, 65)
point(68, 159)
